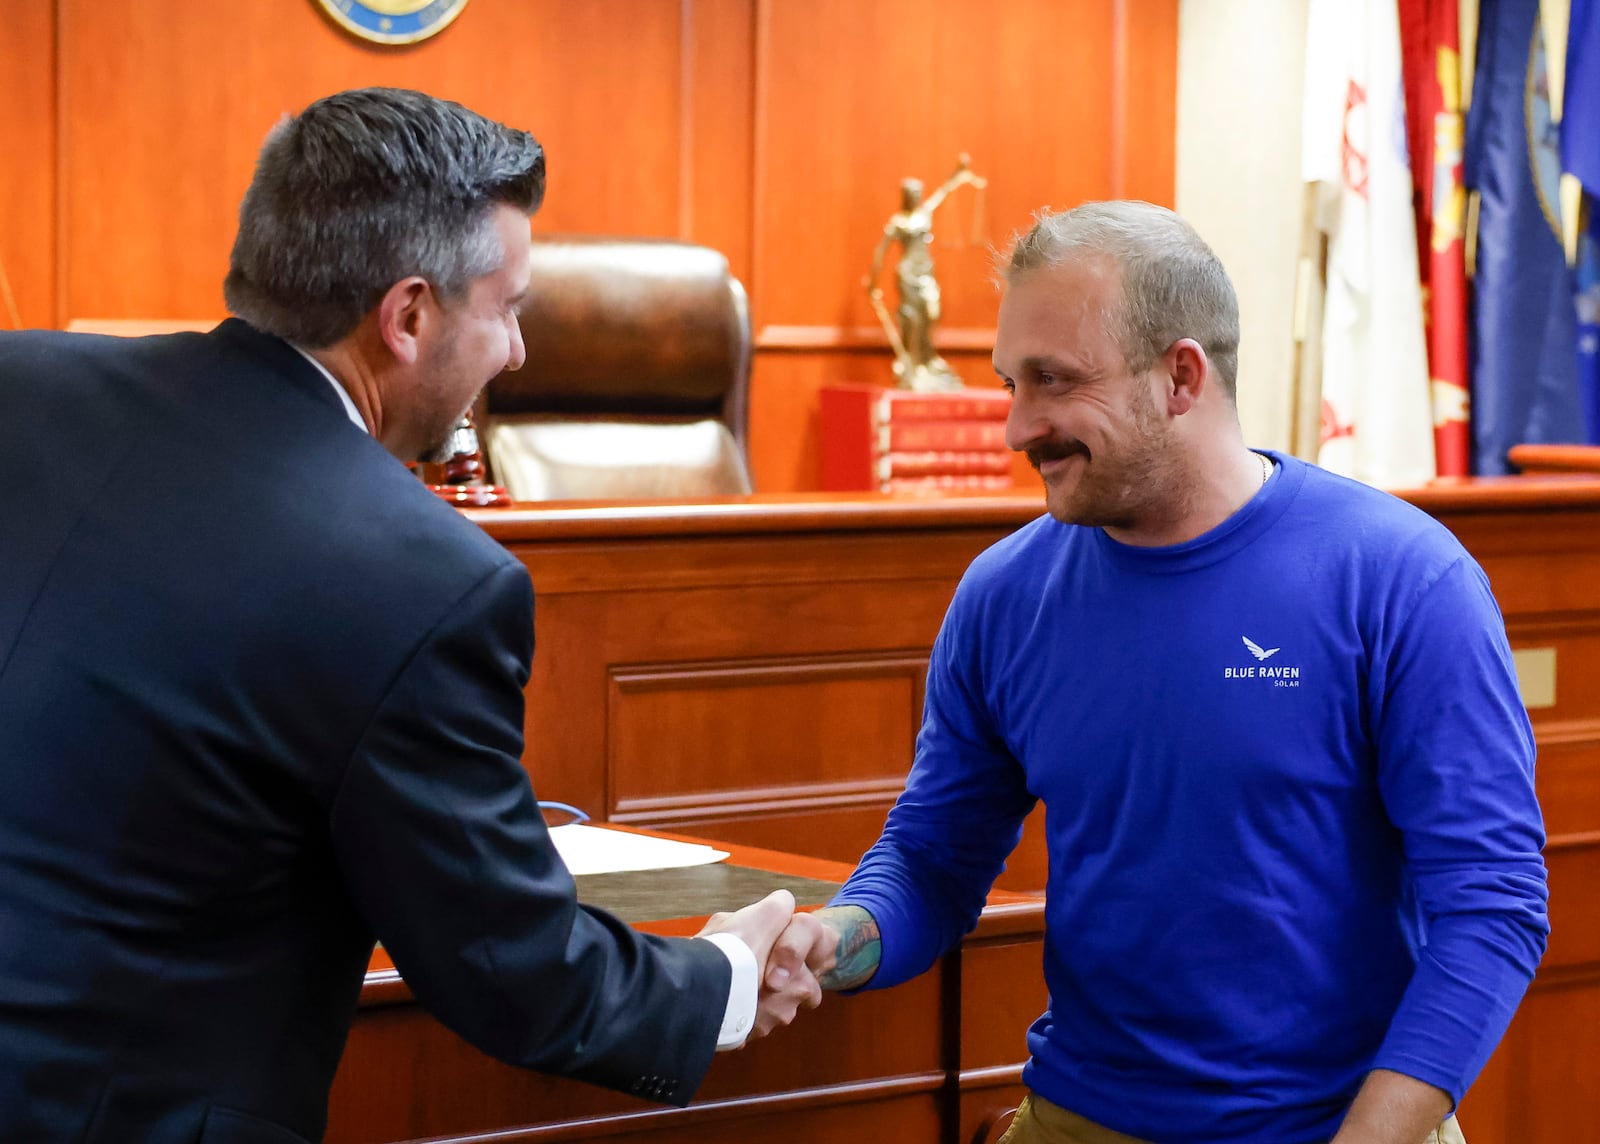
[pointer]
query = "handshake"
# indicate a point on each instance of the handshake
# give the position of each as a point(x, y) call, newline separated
point(800, 954)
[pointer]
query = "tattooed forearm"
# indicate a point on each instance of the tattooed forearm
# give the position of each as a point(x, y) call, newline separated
point(859, 950)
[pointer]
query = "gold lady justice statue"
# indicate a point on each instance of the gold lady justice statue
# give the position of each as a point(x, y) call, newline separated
point(910, 331)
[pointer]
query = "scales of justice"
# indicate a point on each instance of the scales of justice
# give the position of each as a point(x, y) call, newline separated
point(916, 364)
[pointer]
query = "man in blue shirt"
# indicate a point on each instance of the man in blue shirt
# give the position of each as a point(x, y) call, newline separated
point(1295, 887)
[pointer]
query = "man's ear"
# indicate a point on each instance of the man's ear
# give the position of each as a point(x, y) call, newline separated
point(404, 316)
point(1188, 372)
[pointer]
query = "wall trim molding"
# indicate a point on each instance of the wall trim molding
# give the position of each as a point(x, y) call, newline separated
point(857, 339)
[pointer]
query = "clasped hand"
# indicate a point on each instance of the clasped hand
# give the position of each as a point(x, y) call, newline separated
point(793, 950)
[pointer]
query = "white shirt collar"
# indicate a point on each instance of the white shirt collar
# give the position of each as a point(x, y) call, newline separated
point(344, 398)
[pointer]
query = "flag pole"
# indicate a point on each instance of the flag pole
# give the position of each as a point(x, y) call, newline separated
point(1305, 432)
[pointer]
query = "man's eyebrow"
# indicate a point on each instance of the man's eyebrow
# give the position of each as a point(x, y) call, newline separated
point(1044, 363)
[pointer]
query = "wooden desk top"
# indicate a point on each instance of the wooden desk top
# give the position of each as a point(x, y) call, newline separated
point(761, 513)
point(938, 1058)
point(703, 890)
point(862, 512)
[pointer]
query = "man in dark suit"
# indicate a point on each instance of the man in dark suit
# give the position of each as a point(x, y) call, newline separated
point(261, 691)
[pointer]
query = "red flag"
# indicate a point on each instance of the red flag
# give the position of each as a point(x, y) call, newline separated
point(1430, 36)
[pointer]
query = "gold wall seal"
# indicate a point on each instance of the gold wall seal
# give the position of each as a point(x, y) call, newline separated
point(392, 21)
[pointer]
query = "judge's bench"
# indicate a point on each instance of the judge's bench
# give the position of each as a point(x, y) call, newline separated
point(749, 669)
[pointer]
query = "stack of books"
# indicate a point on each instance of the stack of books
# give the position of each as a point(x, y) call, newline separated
point(904, 441)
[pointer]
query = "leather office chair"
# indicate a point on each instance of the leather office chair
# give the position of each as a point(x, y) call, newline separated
point(636, 380)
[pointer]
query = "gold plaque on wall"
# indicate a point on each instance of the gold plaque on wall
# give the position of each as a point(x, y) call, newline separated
point(393, 21)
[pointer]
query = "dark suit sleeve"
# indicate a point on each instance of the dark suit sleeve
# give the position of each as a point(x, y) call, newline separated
point(447, 855)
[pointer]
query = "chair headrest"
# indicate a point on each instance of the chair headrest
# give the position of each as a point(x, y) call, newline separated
point(627, 324)
point(547, 459)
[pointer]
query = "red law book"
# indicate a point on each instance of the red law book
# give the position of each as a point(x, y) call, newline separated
point(883, 405)
point(950, 461)
point(898, 406)
point(860, 424)
point(946, 482)
point(950, 435)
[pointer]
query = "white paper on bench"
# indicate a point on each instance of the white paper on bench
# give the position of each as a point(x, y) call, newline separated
point(595, 850)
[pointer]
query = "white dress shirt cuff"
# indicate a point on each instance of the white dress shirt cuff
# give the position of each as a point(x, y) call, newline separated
point(740, 1015)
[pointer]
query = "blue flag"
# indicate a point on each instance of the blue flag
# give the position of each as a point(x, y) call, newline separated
point(1580, 156)
point(1524, 329)
point(1588, 314)
point(1580, 125)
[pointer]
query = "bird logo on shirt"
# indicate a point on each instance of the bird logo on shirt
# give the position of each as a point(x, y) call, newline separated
point(1257, 650)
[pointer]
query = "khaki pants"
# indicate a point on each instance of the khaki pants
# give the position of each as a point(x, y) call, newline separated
point(1040, 1122)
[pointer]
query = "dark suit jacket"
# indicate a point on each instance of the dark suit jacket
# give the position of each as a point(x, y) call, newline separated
point(261, 700)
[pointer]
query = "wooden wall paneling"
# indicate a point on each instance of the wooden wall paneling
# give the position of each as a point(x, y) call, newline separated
point(853, 98)
point(1556, 1086)
point(1002, 992)
point(1147, 93)
point(995, 1012)
point(719, 87)
point(28, 184)
point(1568, 732)
point(909, 1110)
point(832, 827)
point(1539, 564)
point(859, 97)
point(563, 729)
point(1568, 771)
point(1028, 868)
point(599, 652)
point(753, 728)
point(405, 1077)
point(809, 555)
point(168, 101)
point(785, 436)
point(1574, 865)
point(761, 689)
point(1574, 638)
point(883, 1061)
point(1542, 1083)
point(1483, 1113)
point(751, 751)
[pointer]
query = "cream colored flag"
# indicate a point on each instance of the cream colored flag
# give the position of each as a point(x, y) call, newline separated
point(1377, 417)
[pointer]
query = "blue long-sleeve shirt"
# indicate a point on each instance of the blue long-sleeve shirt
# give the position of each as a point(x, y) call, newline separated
point(1290, 811)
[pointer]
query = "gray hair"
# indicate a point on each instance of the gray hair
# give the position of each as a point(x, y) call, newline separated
point(363, 189)
point(1173, 284)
